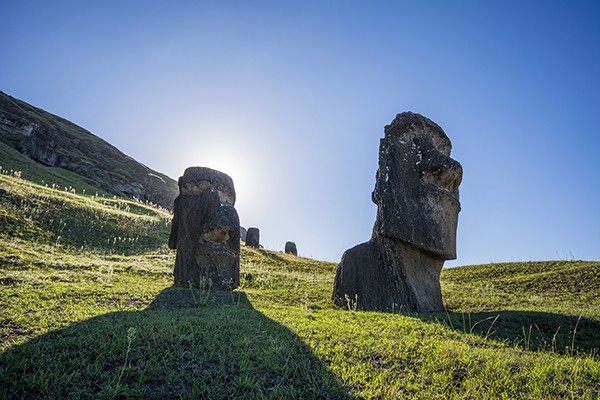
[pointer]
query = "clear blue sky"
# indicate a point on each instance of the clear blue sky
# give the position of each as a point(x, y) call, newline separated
point(290, 98)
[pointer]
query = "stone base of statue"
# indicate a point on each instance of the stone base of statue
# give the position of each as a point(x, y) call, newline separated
point(385, 274)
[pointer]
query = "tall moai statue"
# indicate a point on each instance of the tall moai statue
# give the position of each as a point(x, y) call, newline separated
point(206, 231)
point(416, 193)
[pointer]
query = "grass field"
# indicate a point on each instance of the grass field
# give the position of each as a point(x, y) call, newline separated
point(87, 310)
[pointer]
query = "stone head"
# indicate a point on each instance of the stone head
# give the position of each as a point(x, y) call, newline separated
point(198, 180)
point(417, 186)
point(206, 230)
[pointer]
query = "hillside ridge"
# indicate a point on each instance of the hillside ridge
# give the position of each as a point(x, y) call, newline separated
point(54, 141)
point(88, 310)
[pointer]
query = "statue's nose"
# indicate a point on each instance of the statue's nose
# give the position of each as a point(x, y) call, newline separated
point(443, 172)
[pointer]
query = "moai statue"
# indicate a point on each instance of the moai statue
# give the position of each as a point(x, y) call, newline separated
point(243, 234)
point(206, 231)
point(416, 193)
point(290, 248)
point(253, 237)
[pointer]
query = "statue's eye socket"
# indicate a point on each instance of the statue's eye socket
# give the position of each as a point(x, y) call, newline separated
point(437, 170)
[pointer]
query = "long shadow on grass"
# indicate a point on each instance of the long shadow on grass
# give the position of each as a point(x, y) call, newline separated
point(527, 329)
point(186, 344)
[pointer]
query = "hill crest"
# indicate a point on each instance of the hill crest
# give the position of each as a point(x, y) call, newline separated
point(56, 142)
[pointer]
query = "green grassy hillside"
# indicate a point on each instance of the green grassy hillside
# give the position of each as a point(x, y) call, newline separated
point(87, 311)
point(92, 221)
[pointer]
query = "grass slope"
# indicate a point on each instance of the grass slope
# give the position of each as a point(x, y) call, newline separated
point(87, 311)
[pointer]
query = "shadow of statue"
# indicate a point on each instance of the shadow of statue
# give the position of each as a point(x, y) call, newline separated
point(531, 330)
point(188, 343)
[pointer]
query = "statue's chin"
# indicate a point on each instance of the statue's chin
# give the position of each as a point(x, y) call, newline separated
point(430, 224)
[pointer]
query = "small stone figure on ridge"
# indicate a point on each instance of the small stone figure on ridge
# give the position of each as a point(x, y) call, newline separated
point(290, 248)
point(253, 238)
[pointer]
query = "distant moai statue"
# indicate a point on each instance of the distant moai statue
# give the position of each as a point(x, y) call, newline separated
point(243, 233)
point(290, 248)
point(416, 193)
point(253, 238)
point(206, 231)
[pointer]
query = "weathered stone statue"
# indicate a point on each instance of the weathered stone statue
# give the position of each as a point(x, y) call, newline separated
point(206, 231)
point(290, 248)
point(416, 193)
point(243, 234)
point(253, 237)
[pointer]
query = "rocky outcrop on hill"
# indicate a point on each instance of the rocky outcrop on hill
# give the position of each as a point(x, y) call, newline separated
point(56, 142)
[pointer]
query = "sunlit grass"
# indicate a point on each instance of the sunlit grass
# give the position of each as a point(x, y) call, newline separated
point(84, 318)
point(86, 222)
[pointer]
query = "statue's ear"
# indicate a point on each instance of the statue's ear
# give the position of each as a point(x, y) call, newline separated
point(173, 236)
point(375, 193)
point(374, 196)
point(174, 225)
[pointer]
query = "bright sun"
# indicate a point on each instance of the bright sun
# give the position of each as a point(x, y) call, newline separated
point(233, 161)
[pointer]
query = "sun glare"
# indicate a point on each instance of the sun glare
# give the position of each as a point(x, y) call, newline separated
point(233, 160)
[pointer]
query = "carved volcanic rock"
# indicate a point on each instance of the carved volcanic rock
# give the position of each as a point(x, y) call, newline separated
point(416, 193)
point(56, 142)
point(206, 231)
point(253, 237)
point(290, 248)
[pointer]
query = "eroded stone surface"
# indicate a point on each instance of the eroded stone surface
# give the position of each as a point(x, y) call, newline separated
point(417, 199)
point(206, 231)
